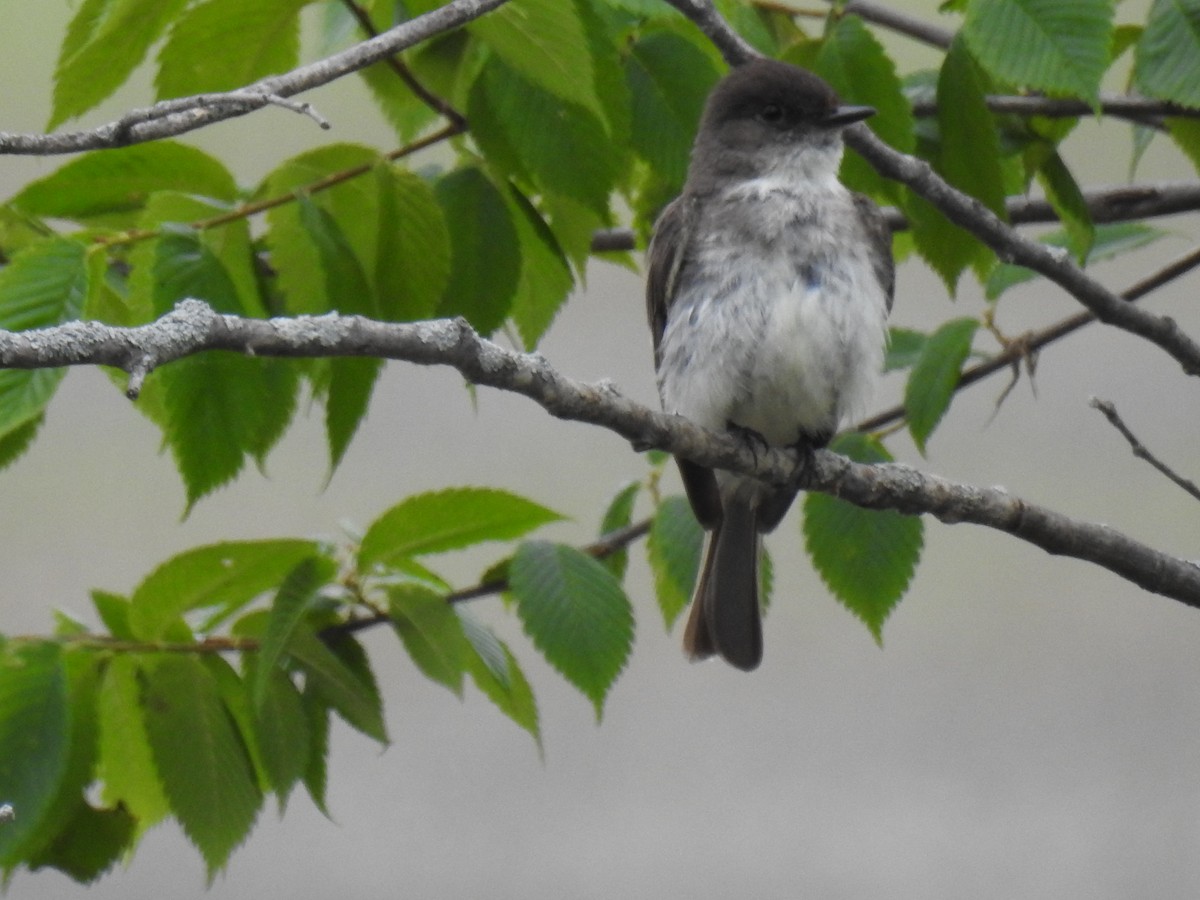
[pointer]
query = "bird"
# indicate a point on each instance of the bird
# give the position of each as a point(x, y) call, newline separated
point(768, 288)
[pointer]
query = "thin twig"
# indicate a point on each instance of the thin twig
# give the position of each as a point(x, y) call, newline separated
point(1046, 336)
point(1122, 105)
point(910, 26)
point(174, 117)
point(1139, 449)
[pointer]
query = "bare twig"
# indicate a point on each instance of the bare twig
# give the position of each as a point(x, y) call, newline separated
point(175, 117)
point(193, 327)
point(911, 26)
point(1139, 109)
point(971, 215)
point(1139, 449)
point(1046, 336)
point(1116, 203)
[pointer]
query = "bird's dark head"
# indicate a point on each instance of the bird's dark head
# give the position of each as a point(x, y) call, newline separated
point(768, 116)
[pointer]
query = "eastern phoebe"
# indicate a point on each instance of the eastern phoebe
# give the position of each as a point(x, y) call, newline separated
point(768, 291)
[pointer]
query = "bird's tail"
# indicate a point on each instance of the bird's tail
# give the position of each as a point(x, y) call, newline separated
point(725, 617)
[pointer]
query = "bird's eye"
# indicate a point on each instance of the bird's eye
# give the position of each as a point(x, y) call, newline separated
point(772, 113)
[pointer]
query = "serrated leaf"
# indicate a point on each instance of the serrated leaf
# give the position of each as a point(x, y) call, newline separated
point(353, 204)
point(34, 741)
point(555, 141)
point(219, 410)
point(1111, 240)
point(353, 696)
point(546, 42)
point(347, 400)
point(1186, 135)
point(43, 285)
point(1068, 201)
point(199, 754)
point(226, 576)
point(905, 346)
point(968, 156)
point(109, 187)
point(126, 760)
point(933, 379)
point(220, 45)
point(293, 599)
point(669, 79)
point(105, 42)
point(412, 262)
point(866, 557)
point(853, 61)
point(619, 514)
point(1167, 60)
point(316, 713)
point(496, 673)
point(449, 520)
point(484, 249)
point(673, 549)
point(576, 614)
point(346, 287)
point(89, 844)
point(545, 274)
point(281, 728)
point(431, 633)
point(1059, 46)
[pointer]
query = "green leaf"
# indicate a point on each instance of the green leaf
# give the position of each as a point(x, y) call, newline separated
point(431, 633)
point(220, 45)
point(90, 843)
point(866, 557)
point(449, 520)
point(351, 384)
point(1058, 46)
point(105, 42)
point(496, 673)
point(220, 409)
point(346, 287)
point(199, 754)
point(351, 693)
point(545, 278)
point(1167, 60)
point(905, 347)
point(412, 262)
point(226, 576)
point(673, 549)
point(575, 612)
point(34, 741)
point(294, 598)
point(969, 158)
point(281, 729)
point(858, 67)
point(126, 760)
point(113, 610)
point(1112, 240)
point(546, 42)
point(484, 249)
point(933, 379)
point(353, 204)
point(669, 78)
point(555, 141)
point(1186, 135)
point(44, 285)
point(316, 712)
point(619, 514)
point(109, 187)
point(1068, 201)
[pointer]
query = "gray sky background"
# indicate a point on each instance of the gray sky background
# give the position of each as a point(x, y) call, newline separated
point(1030, 728)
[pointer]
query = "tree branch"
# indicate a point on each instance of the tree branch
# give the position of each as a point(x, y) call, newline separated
point(174, 117)
point(1139, 449)
point(1125, 106)
point(193, 327)
point(971, 215)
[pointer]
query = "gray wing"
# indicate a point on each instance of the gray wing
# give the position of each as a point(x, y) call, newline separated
point(666, 259)
point(880, 236)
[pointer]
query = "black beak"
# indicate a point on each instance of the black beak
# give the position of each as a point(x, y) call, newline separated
point(847, 115)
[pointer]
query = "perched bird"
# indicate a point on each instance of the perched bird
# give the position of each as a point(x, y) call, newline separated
point(768, 289)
